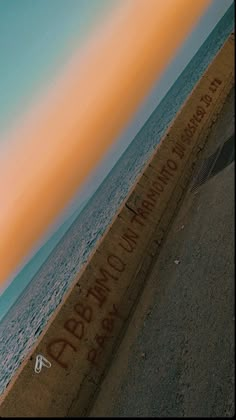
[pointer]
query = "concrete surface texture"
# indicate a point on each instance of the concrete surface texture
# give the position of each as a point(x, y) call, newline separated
point(177, 355)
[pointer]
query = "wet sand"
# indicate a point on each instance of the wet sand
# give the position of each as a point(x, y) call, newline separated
point(177, 355)
point(82, 336)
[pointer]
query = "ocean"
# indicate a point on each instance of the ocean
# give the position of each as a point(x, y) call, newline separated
point(23, 324)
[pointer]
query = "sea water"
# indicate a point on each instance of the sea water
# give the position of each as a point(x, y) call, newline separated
point(25, 321)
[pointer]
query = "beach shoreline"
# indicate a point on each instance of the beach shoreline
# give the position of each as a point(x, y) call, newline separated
point(95, 309)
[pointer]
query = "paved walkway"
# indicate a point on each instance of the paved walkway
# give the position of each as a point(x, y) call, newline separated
point(177, 356)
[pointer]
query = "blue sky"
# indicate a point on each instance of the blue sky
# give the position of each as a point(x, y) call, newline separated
point(36, 38)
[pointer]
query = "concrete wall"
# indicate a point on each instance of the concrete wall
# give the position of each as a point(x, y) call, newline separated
point(80, 339)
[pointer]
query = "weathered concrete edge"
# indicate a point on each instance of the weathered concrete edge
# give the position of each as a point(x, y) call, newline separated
point(141, 272)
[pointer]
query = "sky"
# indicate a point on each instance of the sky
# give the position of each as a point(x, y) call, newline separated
point(36, 39)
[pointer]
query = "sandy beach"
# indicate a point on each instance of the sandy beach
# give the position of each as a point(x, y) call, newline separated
point(81, 337)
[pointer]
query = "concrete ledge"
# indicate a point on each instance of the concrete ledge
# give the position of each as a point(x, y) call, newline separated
point(82, 335)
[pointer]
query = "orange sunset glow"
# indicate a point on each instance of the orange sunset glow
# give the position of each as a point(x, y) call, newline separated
point(48, 156)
